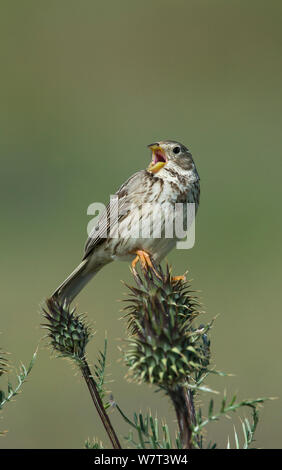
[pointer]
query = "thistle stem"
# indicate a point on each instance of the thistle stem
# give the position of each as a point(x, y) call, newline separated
point(183, 402)
point(86, 372)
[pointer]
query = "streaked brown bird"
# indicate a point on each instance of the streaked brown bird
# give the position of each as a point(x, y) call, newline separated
point(148, 200)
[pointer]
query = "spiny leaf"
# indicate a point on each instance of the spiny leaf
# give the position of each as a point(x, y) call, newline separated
point(21, 378)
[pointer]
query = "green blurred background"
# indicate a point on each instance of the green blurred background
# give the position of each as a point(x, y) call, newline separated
point(85, 86)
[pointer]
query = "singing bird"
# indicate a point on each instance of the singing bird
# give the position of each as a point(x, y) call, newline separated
point(170, 178)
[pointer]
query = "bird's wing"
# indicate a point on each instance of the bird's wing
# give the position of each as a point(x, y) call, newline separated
point(119, 208)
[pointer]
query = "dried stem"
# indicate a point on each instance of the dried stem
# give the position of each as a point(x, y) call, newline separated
point(86, 372)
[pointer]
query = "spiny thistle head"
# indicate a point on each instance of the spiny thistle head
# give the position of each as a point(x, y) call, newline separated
point(165, 347)
point(68, 331)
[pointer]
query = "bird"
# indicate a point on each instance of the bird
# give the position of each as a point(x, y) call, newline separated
point(147, 197)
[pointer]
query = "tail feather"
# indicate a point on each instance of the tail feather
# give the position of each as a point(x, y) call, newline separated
point(75, 282)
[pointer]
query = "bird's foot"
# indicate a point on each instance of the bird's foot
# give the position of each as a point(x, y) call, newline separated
point(178, 278)
point(145, 262)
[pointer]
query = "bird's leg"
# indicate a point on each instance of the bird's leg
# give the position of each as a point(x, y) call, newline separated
point(145, 261)
point(134, 262)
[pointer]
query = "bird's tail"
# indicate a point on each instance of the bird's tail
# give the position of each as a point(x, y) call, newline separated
point(75, 282)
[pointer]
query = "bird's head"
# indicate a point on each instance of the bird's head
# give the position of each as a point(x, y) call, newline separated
point(167, 151)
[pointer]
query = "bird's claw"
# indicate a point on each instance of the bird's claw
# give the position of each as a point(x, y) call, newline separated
point(178, 278)
point(145, 262)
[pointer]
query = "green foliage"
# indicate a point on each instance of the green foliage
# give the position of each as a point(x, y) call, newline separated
point(21, 377)
point(225, 409)
point(13, 390)
point(99, 375)
point(148, 433)
point(248, 431)
point(95, 444)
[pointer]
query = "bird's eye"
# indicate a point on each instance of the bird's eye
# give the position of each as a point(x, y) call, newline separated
point(176, 149)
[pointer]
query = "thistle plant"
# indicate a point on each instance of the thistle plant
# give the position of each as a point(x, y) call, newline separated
point(167, 348)
point(68, 334)
point(13, 389)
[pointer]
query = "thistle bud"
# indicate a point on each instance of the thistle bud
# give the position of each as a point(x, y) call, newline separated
point(165, 348)
point(68, 332)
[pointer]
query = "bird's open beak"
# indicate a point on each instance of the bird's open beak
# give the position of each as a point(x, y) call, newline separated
point(158, 158)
